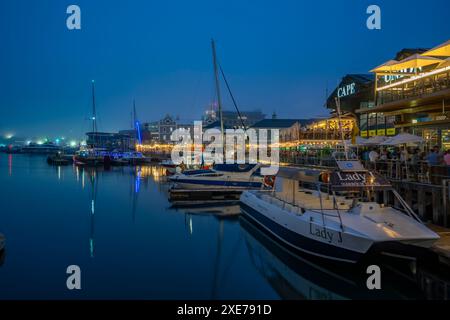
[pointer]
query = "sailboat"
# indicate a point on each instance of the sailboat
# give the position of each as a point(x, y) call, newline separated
point(220, 176)
point(91, 155)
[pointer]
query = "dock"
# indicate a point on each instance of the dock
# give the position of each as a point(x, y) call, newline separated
point(196, 196)
point(442, 246)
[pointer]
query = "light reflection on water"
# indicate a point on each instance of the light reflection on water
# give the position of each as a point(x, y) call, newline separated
point(130, 243)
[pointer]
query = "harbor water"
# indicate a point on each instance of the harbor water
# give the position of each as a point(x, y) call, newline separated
point(119, 228)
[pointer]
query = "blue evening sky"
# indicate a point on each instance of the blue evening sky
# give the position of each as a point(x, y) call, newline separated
point(278, 56)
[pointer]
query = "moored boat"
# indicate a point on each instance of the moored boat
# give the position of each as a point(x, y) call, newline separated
point(57, 160)
point(89, 157)
point(337, 218)
point(223, 176)
point(135, 158)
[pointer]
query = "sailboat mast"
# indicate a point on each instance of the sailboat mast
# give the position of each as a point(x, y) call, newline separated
point(134, 112)
point(216, 76)
point(94, 116)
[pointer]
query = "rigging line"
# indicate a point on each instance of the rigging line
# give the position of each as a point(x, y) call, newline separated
point(232, 97)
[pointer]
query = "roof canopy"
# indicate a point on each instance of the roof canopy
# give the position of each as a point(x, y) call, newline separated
point(414, 61)
point(385, 67)
point(442, 50)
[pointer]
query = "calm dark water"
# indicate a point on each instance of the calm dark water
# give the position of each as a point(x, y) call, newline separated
point(118, 226)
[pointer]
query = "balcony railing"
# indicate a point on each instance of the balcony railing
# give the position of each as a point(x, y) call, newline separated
point(418, 88)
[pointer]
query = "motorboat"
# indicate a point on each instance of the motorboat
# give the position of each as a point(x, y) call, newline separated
point(57, 160)
point(44, 148)
point(90, 157)
point(334, 215)
point(135, 158)
point(222, 176)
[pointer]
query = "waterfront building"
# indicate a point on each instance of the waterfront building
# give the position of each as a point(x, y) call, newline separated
point(165, 128)
point(151, 132)
point(411, 94)
point(353, 92)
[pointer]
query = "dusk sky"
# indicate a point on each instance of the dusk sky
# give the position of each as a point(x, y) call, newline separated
point(278, 56)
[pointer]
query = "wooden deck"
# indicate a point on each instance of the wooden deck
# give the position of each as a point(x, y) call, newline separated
point(442, 246)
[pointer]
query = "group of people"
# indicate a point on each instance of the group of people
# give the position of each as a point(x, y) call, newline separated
point(412, 155)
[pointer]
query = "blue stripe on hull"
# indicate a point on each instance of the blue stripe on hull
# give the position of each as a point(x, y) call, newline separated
point(246, 184)
point(302, 243)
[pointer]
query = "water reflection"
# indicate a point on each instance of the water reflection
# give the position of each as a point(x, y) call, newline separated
point(195, 252)
point(297, 277)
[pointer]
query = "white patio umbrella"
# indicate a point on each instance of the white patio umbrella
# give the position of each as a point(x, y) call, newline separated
point(375, 140)
point(358, 142)
point(402, 138)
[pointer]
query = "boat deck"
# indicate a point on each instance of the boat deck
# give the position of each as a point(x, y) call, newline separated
point(182, 196)
point(306, 199)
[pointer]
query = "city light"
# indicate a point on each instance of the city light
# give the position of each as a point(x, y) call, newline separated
point(73, 143)
point(9, 135)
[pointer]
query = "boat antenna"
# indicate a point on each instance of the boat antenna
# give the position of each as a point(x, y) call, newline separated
point(338, 111)
point(232, 97)
point(216, 76)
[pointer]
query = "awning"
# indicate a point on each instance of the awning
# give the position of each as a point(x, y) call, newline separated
point(359, 141)
point(374, 141)
point(442, 50)
point(385, 67)
point(445, 63)
point(413, 61)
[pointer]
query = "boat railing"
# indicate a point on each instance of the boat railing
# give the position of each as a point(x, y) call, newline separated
point(324, 212)
point(410, 212)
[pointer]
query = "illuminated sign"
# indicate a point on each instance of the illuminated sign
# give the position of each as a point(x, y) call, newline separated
point(390, 131)
point(372, 133)
point(346, 90)
point(364, 133)
point(381, 132)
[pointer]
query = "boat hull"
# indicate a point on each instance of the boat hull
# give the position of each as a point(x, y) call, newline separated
point(300, 243)
point(309, 233)
point(216, 184)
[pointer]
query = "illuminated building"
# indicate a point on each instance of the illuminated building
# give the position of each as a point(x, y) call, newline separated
point(412, 94)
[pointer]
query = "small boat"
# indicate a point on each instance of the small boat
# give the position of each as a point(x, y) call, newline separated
point(57, 160)
point(223, 176)
point(171, 168)
point(136, 158)
point(89, 157)
point(45, 148)
point(2, 242)
point(333, 215)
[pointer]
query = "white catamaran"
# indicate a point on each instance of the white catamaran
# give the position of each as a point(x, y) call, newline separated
point(337, 218)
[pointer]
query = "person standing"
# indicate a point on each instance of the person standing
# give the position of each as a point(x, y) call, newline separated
point(433, 156)
point(447, 157)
